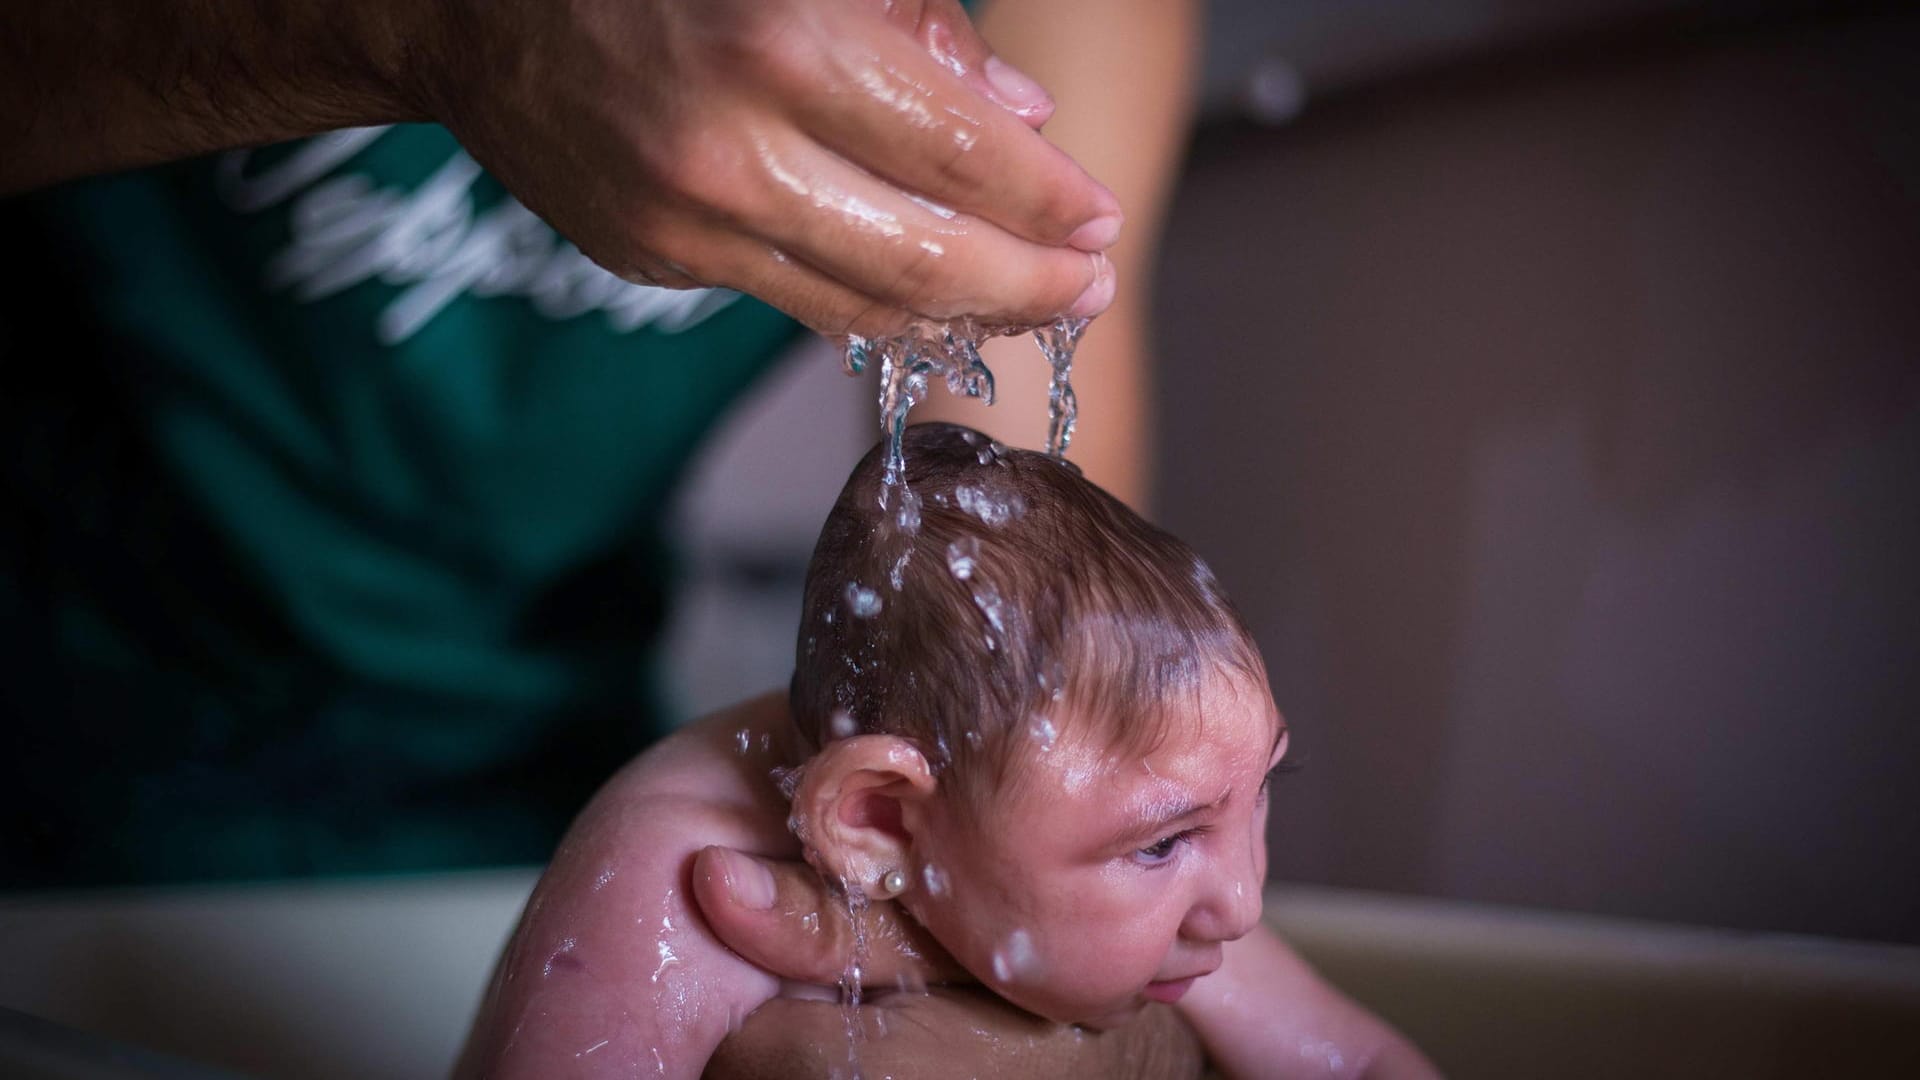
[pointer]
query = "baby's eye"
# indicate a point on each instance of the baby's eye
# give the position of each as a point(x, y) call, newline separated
point(1161, 850)
point(1273, 774)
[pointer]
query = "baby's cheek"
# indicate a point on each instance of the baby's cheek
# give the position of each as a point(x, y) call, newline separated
point(1067, 973)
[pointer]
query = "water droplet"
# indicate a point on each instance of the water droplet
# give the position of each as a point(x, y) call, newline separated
point(1057, 344)
point(788, 780)
point(935, 879)
point(1323, 1053)
point(742, 741)
point(854, 359)
point(841, 726)
point(561, 956)
point(863, 602)
point(987, 599)
point(908, 516)
point(1015, 959)
point(1042, 730)
point(993, 509)
point(963, 557)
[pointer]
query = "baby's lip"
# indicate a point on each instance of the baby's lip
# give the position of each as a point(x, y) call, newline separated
point(1172, 987)
point(1195, 973)
point(1168, 991)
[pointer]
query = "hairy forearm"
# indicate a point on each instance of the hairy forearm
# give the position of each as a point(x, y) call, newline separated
point(112, 84)
point(950, 1034)
point(1267, 1014)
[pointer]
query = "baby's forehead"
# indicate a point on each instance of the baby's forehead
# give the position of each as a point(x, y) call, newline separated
point(1229, 718)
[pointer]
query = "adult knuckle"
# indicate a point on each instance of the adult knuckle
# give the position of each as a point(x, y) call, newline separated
point(963, 164)
point(1057, 210)
point(1058, 283)
point(921, 283)
point(777, 47)
point(695, 166)
point(877, 320)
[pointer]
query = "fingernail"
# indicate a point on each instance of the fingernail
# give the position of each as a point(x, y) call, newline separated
point(1098, 234)
point(1099, 294)
point(749, 883)
point(1016, 90)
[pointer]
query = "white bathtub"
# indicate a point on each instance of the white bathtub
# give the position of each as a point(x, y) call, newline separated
point(373, 979)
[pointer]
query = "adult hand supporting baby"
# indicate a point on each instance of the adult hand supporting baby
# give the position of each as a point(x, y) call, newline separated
point(791, 149)
point(783, 918)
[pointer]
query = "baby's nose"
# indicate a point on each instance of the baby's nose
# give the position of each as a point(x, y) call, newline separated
point(1231, 907)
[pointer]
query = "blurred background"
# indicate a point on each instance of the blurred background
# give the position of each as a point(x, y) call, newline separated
point(1543, 382)
point(1542, 379)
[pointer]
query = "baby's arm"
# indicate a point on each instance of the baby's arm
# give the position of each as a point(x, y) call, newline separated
point(611, 972)
point(1266, 1014)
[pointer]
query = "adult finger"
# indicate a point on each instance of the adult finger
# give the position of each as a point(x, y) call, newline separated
point(903, 254)
point(944, 30)
point(780, 916)
point(736, 261)
point(902, 116)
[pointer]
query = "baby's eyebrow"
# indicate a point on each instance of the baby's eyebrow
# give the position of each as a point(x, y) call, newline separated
point(1152, 822)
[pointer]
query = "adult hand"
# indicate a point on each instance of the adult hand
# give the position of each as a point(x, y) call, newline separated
point(855, 163)
point(781, 917)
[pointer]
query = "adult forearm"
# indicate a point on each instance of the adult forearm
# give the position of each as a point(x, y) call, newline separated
point(950, 1034)
point(1267, 1014)
point(112, 84)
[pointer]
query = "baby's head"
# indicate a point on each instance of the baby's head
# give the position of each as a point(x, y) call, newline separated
point(1042, 712)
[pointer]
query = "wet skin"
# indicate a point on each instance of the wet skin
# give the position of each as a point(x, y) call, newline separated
point(611, 972)
point(1100, 883)
point(855, 164)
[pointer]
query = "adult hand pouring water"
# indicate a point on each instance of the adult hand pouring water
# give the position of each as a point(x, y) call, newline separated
point(382, 594)
point(857, 164)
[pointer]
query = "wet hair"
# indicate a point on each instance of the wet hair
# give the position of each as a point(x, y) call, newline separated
point(962, 611)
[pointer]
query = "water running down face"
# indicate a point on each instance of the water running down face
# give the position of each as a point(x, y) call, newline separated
point(1094, 881)
point(1097, 882)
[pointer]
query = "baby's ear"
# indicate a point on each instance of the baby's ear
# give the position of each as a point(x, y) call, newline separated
point(847, 809)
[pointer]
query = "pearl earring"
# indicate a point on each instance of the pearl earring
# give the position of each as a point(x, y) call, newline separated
point(893, 883)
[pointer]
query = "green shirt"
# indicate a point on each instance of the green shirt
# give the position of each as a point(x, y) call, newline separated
point(334, 484)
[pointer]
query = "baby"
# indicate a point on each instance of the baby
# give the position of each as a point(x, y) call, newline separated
point(1021, 713)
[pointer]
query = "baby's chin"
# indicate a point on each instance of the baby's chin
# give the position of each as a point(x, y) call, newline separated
point(1120, 1017)
point(1095, 1017)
